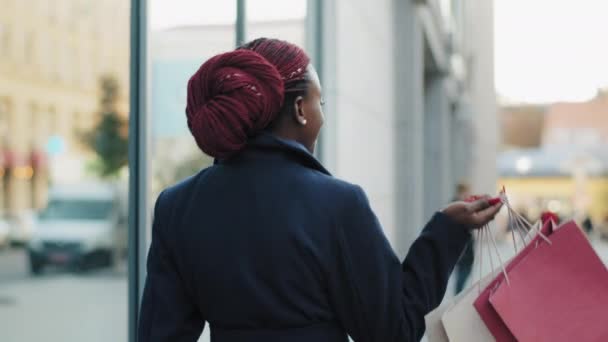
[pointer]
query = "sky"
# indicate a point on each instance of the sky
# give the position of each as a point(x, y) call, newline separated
point(545, 50)
point(550, 50)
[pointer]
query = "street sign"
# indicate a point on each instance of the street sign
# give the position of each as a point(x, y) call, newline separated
point(55, 146)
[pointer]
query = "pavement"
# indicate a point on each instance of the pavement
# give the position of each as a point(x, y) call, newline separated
point(65, 307)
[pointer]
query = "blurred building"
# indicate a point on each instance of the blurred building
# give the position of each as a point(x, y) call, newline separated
point(568, 171)
point(522, 126)
point(579, 124)
point(52, 55)
point(410, 99)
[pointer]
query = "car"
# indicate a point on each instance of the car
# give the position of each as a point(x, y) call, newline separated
point(20, 228)
point(83, 225)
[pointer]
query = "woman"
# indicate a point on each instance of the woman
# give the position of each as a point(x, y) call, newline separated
point(266, 245)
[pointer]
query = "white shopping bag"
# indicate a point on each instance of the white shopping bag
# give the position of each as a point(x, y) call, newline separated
point(435, 331)
point(461, 322)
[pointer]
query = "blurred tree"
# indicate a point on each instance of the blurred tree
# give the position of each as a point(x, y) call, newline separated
point(109, 138)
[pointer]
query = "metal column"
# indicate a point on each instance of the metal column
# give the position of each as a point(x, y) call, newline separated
point(314, 47)
point(138, 146)
point(241, 21)
point(409, 124)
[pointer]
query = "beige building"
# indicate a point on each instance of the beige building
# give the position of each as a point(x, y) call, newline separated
point(582, 124)
point(52, 55)
point(577, 124)
point(522, 125)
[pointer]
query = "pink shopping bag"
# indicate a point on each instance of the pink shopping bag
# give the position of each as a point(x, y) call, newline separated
point(556, 292)
point(492, 320)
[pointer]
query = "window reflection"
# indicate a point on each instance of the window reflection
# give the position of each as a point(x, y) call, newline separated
point(277, 19)
point(181, 39)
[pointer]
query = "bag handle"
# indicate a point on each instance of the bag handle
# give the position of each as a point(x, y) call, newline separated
point(486, 231)
point(516, 220)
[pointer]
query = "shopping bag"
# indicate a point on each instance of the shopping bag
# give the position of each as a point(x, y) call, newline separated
point(491, 319)
point(435, 331)
point(557, 292)
point(434, 328)
point(460, 321)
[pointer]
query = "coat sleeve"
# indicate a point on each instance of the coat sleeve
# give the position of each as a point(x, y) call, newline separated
point(377, 298)
point(167, 311)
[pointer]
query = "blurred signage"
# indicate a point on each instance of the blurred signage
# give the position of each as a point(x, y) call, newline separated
point(55, 146)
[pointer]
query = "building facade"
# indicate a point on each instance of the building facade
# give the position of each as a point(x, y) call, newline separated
point(411, 103)
point(522, 125)
point(52, 55)
point(577, 124)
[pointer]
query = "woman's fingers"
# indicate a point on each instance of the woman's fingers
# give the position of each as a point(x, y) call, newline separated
point(473, 214)
point(486, 215)
point(480, 204)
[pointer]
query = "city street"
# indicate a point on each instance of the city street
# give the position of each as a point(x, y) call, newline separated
point(60, 306)
point(66, 307)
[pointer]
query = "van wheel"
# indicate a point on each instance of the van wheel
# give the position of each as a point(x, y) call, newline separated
point(109, 258)
point(35, 267)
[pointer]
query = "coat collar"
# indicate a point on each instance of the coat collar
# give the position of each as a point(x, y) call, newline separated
point(271, 143)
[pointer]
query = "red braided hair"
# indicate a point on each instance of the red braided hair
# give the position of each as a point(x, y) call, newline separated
point(236, 94)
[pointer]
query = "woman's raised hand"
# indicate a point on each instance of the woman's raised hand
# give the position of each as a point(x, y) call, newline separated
point(475, 214)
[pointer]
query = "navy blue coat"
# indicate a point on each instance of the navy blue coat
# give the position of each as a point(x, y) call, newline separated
point(270, 247)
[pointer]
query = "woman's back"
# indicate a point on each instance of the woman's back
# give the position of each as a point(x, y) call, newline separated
point(265, 245)
point(252, 238)
point(256, 232)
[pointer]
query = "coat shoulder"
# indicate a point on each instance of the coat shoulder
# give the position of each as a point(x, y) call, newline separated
point(183, 187)
point(340, 191)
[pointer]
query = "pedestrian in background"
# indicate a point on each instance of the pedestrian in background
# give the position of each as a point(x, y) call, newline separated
point(588, 224)
point(465, 263)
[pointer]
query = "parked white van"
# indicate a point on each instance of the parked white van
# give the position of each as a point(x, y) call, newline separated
point(83, 225)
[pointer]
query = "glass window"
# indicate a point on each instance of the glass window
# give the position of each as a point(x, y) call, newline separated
point(67, 266)
point(29, 48)
point(184, 34)
point(277, 19)
point(5, 40)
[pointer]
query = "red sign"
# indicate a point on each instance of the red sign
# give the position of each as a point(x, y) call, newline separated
point(38, 159)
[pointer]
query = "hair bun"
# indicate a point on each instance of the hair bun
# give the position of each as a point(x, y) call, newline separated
point(230, 97)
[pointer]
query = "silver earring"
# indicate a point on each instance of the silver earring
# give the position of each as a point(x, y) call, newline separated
point(303, 122)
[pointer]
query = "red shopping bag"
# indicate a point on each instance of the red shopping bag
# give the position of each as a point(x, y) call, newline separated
point(492, 320)
point(556, 292)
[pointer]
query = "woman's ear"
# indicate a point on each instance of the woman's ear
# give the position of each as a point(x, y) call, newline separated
point(298, 112)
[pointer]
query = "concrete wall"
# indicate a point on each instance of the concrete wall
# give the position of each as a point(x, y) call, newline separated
point(359, 136)
point(480, 14)
point(393, 125)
